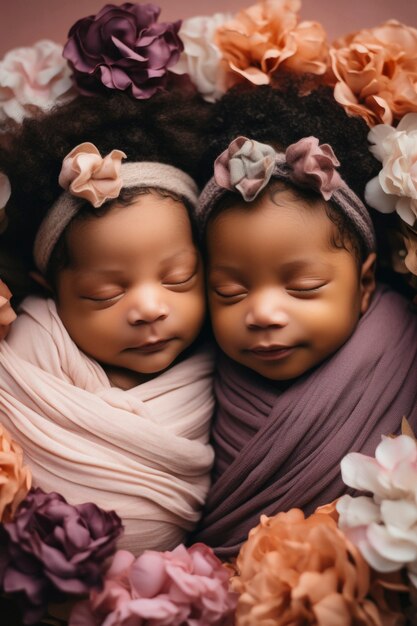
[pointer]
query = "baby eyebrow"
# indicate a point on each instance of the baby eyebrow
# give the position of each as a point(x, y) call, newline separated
point(305, 264)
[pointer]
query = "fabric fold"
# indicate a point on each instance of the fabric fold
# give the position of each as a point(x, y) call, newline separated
point(279, 445)
point(143, 452)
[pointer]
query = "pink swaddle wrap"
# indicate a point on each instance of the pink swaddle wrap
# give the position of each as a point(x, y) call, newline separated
point(142, 452)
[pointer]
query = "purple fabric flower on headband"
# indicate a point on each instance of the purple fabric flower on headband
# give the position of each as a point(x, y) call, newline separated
point(122, 47)
point(246, 165)
point(313, 166)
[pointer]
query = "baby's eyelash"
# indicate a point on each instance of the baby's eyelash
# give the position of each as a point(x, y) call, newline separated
point(306, 289)
point(180, 280)
point(107, 299)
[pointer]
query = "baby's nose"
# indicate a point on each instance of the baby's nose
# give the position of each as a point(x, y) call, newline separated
point(146, 305)
point(268, 308)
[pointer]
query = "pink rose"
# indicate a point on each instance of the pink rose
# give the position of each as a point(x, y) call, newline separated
point(178, 588)
point(33, 77)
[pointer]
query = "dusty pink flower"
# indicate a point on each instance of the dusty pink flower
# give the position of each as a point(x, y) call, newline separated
point(86, 174)
point(314, 166)
point(33, 77)
point(184, 587)
point(267, 37)
point(124, 48)
point(376, 72)
point(15, 478)
point(384, 524)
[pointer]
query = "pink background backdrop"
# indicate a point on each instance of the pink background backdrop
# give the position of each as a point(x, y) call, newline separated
point(23, 22)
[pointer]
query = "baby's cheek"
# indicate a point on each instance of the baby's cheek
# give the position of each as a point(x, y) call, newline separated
point(226, 326)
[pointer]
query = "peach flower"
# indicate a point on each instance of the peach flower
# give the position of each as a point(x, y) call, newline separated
point(376, 72)
point(296, 570)
point(7, 315)
point(34, 76)
point(15, 478)
point(266, 37)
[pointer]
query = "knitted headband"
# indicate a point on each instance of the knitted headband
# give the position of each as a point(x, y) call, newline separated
point(247, 166)
point(85, 174)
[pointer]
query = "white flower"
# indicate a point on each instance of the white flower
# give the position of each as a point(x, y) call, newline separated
point(395, 188)
point(383, 525)
point(201, 58)
point(36, 76)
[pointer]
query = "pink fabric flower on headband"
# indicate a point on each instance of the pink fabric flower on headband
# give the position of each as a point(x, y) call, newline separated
point(246, 165)
point(86, 174)
point(313, 166)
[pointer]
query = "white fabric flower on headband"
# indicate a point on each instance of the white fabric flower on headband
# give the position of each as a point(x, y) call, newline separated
point(86, 174)
point(395, 188)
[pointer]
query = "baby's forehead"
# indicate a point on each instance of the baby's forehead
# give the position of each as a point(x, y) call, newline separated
point(150, 228)
point(276, 205)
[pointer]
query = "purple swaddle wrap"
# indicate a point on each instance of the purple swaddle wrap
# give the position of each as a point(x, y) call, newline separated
point(278, 448)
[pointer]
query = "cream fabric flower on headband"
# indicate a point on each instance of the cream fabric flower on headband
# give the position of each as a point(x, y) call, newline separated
point(86, 174)
point(395, 188)
point(246, 165)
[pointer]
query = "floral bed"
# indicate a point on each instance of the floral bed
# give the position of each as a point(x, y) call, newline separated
point(353, 561)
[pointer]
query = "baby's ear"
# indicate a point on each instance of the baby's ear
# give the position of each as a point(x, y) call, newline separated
point(41, 280)
point(367, 281)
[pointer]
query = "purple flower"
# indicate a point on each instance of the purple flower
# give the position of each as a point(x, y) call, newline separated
point(52, 548)
point(122, 47)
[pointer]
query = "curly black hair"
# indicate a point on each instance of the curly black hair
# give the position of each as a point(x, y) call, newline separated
point(168, 128)
point(282, 116)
